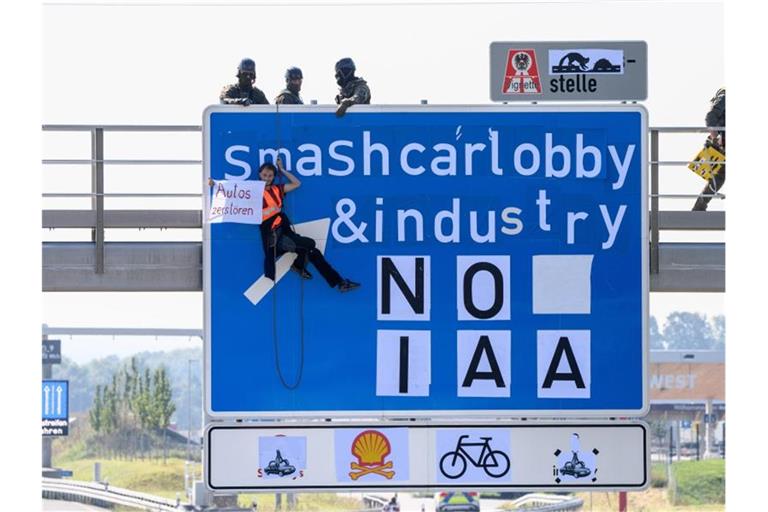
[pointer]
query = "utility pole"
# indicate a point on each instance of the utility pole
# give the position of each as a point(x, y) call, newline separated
point(189, 408)
point(47, 456)
point(708, 414)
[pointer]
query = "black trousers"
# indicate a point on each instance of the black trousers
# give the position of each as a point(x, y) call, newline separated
point(714, 184)
point(305, 248)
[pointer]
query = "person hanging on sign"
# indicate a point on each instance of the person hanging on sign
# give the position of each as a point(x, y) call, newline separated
point(278, 236)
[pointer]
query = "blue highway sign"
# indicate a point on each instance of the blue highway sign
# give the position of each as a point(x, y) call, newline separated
point(501, 251)
point(55, 407)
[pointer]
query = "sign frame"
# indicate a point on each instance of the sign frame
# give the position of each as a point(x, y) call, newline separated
point(428, 432)
point(416, 413)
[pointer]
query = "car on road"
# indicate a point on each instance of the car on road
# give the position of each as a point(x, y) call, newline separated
point(457, 502)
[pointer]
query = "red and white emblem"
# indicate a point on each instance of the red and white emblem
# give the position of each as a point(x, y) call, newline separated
point(522, 74)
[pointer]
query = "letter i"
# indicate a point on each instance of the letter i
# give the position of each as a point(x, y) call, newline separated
point(554, 470)
point(379, 219)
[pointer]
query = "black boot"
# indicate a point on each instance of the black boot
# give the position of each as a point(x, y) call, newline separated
point(346, 285)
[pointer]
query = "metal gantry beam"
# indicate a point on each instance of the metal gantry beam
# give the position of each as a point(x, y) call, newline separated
point(121, 331)
point(129, 266)
point(193, 219)
point(57, 219)
point(177, 266)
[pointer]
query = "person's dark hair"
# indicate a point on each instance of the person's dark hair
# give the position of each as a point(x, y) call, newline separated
point(292, 73)
point(268, 165)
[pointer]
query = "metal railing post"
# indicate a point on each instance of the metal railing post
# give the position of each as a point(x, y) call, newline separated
point(97, 188)
point(654, 202)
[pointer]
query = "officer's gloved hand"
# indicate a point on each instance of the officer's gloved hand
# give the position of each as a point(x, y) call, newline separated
point(243, 101)
point(343, 106)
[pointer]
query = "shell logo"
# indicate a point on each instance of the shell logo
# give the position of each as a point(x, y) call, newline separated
point(371, 447)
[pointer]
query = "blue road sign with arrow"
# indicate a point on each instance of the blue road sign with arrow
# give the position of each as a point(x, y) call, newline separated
point(55, 407)
point(502, 253)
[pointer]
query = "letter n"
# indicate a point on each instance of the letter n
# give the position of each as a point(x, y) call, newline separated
point(563, 364)
point(403, 288)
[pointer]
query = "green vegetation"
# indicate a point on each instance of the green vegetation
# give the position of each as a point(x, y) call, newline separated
point(658, 474)
point(150, 476)
point(125, 415)
point(698, 482)
point(650, 500)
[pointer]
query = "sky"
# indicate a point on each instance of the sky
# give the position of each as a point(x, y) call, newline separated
point(108, 63)
point(163, 63)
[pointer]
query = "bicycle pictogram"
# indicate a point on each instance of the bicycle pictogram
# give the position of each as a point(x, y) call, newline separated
point(494, 462)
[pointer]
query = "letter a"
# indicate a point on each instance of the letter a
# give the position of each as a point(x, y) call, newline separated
point(483, 345)
point(563, 347)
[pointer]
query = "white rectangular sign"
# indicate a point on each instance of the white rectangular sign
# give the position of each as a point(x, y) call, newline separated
point(236, 201)
point(428, 456)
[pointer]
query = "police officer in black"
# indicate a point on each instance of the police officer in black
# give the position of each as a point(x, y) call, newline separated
point(243, 92)
point(290, 95)
point(352, 90)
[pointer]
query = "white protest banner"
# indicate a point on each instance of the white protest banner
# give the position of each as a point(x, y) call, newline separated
point(236, 201)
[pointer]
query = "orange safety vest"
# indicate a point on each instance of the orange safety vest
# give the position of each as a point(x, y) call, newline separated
point(272, 205)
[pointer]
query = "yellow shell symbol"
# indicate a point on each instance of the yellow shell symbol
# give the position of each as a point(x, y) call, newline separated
point(370, 447)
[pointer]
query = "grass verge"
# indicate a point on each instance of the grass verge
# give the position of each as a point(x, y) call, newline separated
point(149, 476)
point(698, 482)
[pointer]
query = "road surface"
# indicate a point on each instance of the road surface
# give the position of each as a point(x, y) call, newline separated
point(67, 506)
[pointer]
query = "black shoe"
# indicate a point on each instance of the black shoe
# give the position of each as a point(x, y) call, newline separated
point(347, 285)
point(304, 273)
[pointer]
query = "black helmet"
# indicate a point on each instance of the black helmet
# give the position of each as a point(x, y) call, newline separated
point(345, 65)
point(246, 66)
point(292, 73)
point(345, 71)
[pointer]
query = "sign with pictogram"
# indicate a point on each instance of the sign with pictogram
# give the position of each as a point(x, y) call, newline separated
point(568, 71)
point(522, 74)
point(501, 253)
point(55, 407)
point(530, 456)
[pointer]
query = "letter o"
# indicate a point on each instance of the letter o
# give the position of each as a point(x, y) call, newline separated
point(498, 290)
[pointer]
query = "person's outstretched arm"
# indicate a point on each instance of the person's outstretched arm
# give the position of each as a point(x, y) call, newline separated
point(293, 181)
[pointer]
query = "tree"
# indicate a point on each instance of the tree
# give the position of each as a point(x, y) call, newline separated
point(132, 407)
point(688, 331)
point(94, 414)
point(162, 402)
point(654, 336)
point(718, 331)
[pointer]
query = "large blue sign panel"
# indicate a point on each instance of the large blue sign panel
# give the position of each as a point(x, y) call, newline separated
point(501, 252)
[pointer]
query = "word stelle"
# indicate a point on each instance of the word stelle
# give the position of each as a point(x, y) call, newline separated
point(501, 251)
